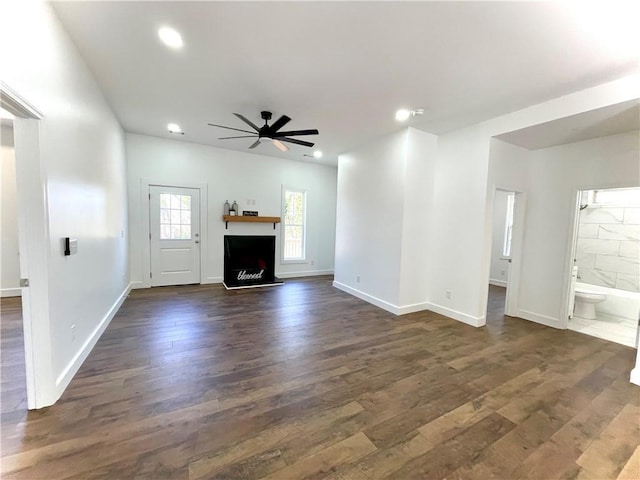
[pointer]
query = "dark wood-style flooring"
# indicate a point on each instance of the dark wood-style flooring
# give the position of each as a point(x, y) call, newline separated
point(306, 382)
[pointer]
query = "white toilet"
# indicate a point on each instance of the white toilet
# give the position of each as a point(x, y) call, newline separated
point(585, 304)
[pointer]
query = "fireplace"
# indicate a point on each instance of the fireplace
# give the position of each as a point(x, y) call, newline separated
point(249, 261)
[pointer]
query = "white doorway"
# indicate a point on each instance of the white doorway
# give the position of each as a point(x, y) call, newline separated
point(174, 235)
point(506, 242)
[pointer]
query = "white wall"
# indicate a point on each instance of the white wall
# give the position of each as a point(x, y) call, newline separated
point(369, 220)
point(76, 186)
point(499, 269)
point(555, 176)
point(231, 175)
point(9, 261)
point(416, 214)
point(385, 197)
point(464, 197)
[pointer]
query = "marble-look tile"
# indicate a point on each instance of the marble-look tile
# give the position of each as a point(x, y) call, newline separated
point(629, 248)
point(588, 230)
point(628, 282)
point(619, 232)
point(607, 328)
point(614, 263)
point(585, 260)
point(598, 246)
point(602, 215)
point(631, 216)
point(597, 277)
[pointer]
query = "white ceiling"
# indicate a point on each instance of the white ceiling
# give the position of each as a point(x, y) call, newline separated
point(344, 68)
point(620, 118)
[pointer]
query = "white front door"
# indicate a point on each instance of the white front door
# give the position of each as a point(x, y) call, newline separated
point(174, 219)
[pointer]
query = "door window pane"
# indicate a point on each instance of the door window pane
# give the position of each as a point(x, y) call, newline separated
point(175, 217)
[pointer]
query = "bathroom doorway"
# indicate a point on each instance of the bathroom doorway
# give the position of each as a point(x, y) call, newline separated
point(506, 239)
point(604, 293)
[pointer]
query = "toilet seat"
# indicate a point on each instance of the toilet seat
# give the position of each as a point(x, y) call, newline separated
point(590, 295)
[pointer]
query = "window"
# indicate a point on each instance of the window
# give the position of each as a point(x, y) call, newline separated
point(175, 217)
point(294, 206)
point(508, 227)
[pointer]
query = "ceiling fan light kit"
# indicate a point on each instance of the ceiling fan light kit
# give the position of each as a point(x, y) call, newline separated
point(270, 133)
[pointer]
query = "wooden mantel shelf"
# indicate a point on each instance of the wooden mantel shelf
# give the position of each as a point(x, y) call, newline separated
point(247, 219)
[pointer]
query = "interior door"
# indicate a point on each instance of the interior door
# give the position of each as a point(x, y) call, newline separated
point(174, 219)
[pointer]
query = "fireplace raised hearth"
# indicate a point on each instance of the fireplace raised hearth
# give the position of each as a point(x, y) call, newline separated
point(249, 261)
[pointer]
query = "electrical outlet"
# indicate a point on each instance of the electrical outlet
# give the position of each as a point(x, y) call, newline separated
point(502, 272)
point(313, 262)
point(73, 332)
point(447, 294)
point(357, 278)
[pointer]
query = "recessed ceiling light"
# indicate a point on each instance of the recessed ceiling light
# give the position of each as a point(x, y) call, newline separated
point(317, 154)
point(402, 114)
point(170, 37)
point(174, 128)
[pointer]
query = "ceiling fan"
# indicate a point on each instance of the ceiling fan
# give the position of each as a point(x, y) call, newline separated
point(270, 133)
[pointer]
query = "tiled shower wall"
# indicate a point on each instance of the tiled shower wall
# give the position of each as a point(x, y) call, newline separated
point(608, 249)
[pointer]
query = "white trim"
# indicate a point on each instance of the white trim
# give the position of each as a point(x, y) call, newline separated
point(456, 315)
point(16, 104)
point(497, 283)
point(137, 285)
point(145, 246)
point(389, 307)
point(307, 273)
point(412, 308)
point(262, 285)
point(635, 376)
point(210, 280)
point(10, 292)
point(542, 319)
point(67, 374)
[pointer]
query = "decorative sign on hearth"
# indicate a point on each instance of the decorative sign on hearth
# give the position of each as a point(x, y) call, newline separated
point(249, 261)
point(249, 213)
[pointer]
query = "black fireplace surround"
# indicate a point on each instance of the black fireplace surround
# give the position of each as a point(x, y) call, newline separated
point(249, 261)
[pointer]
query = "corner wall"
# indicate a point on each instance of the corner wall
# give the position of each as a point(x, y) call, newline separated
point(76, 183)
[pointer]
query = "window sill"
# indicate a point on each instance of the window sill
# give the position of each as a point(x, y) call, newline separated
point(293, 262)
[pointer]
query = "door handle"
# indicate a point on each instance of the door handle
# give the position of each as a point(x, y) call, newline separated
point(197, 241)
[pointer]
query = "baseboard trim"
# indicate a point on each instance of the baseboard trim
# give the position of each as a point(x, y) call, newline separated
point(137, 285)
point(456, 315)
point(10, 292)
point(211, 280)
point(66, 376)
point(538, 318)
point(389, 307)
point(497, 283)
point(306, 273)
point(635, 376)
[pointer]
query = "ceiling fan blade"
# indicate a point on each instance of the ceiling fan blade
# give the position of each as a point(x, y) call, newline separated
point(278, 124)
point(230, 128)
point(255, 144)
point(280, 146)
point(295, 133)
point(247, 121)
point(298, 142)
point(241, 136)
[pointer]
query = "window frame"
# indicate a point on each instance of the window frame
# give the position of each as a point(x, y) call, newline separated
point(284, 224)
